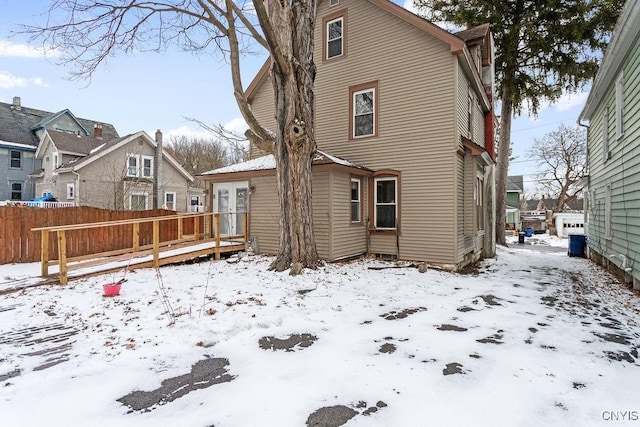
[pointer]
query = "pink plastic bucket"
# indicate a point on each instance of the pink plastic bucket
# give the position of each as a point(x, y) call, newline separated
point(111, 289)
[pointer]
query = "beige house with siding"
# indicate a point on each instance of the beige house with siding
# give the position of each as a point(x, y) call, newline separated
point(405, 132)
point(133, 172)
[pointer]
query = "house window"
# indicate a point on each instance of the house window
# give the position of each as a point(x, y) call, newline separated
point(479, 199)
point(170, 201)
point(364, 105)
point(356, 200)
point(138, 201)
point(71, 191)
point(470, 103)
point(334, 38)
point(147, 166)
point(132, 165)
point(334, 35)
point(15, 159)
point(16, 191)
point(55, 161)
point(605, 135)
point(386, 205)
point(619, 106)
point(607, 212)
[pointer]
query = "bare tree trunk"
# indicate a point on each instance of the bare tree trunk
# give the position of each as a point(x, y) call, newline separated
point(293, 75)
point(503, 165)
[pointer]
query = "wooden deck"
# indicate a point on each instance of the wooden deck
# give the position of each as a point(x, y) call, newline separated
point(203, 242)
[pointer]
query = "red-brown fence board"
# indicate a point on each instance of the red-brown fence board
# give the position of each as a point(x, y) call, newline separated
point(19, 244)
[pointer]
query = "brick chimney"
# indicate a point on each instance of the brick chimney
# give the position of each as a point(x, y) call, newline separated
point(16, 103)
point(97, 131)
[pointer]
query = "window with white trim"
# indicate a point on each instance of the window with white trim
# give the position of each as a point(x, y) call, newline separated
point(619, 106)
point(138, 201)
point(71, 191)
point(356, 197)
point(132, 165)
point(170, 201)
point(479, 199)
point(147, 166)
point(470, 103)
point(55, 161)
point(605, 134)
point(364, 113)
point(607, 212)
point(15, 159)
point(386, 205)
point(334, 32)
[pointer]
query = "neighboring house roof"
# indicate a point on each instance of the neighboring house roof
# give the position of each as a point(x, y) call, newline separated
point(268, 162)
point(625, 34)
point(551, 204)
point(515, 184)
point(99, 151)
point(17, 125)
point(456, 44)
point(74, 144)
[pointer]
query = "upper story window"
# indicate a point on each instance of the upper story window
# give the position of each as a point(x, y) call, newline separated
point(356, 196)
point(132, 165)
point(55, 163)
point(147, 166)
point(470, 107)
point(364, 105)
point(619, 105)
point(15, 159)
point(333, 35)
point(605, 135)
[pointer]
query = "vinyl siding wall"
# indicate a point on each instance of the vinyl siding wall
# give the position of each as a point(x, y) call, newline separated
point(418, 129)
point(621, 171)
point(416, 122)
point(263, 205)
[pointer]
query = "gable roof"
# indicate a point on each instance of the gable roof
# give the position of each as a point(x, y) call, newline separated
point(456, 44)
point(625, 34)
point(107, 147)
point(74, 144)
point(17, 125)
point(515, 184)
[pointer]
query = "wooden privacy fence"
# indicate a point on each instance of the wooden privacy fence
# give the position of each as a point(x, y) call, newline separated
point(202, 227)
point(19, 243)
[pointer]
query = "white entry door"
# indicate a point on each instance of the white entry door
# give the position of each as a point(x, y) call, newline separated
point(231, 201)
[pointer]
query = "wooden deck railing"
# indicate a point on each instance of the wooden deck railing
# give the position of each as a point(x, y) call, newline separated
point(211, 232)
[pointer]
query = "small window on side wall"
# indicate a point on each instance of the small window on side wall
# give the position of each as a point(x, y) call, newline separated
point(71, 191)
point(356, 199)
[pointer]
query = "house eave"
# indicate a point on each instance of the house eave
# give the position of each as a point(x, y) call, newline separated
point(626, 32)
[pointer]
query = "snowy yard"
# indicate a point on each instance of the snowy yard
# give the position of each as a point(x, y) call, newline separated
point(531, 338)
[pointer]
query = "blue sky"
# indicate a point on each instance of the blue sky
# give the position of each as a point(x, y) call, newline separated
point(148, 91)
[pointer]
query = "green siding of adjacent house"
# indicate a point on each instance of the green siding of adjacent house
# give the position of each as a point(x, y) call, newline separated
point(621, 171)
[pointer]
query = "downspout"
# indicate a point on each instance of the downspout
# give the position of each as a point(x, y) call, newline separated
point(585, 198)
point(157, 176)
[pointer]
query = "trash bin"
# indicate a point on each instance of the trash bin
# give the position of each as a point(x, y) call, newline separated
point(521, 237)
point(528, 231)
point(577, 243)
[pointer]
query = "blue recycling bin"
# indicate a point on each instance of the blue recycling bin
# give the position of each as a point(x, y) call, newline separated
point(528, 231)
point(577, 243)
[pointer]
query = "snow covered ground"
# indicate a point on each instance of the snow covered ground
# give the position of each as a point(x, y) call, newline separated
point(531, 338)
